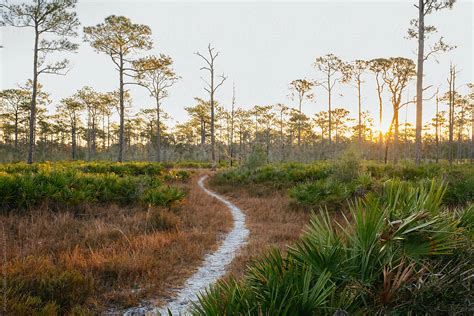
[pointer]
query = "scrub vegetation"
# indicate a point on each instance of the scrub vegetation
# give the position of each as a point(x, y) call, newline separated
point(84, 237)
point(381, 239)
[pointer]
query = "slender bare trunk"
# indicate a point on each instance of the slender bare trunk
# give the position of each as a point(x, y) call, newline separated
point(93, 135)
point(158, 131)
point(299, 122)
point(232, 114)
point(437, 129)
point(329, 108)
point(281, 137)
point(451, 81)
point(108, 131)
point(395, 135)
point(472, 134)
point(203, 132)
point(419, 80)
point(16, 130)
point(213, 145)
point(360, 112)
point(122, 112)
point(379, 94)
point(31, 146)
point(73, 137)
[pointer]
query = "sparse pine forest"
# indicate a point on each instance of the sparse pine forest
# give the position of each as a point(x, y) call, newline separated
point(352, 194)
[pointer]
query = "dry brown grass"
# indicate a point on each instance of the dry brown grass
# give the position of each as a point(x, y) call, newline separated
point(128, 255)
point(269, 217)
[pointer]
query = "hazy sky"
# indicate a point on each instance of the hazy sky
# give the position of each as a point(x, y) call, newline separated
point(262, 45)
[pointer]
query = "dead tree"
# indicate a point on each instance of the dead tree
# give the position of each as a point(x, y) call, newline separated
point(211, 88)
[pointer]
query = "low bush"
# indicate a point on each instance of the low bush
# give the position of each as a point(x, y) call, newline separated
point(126, 168)
point(322, 192)
point(177, 175)
point(461, 185)
point(322, 183)
point(59, 187)
point(163, 196)
point(274, 175)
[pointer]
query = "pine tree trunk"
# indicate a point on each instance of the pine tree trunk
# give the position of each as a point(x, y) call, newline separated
point(395, 136)
point(31, 145)
point(419, 79)
point(213, 145)
point(158, 131)
point(437, 129)
point(16, 130)
point(299, 124)
point(360, 113)
point(329, 109)
point(73, 138)
point(122, 113)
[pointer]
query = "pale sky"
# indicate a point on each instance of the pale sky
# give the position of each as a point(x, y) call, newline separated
point(263, 46)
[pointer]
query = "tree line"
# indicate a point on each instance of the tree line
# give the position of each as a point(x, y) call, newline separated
point(84, 126)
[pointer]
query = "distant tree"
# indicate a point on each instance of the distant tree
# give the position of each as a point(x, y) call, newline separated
point(110, 101)
point(282, 113)
point(71, 108)
point(321, 120)
point(437, 125)
point(397, 73)
point(266, 119)
point(300, 89)
point(200, 116)
point(334, 70)
point(211, 87)
point(450, 98)
point(377, 66)
point(119, 38)
point(53, 22)
point(461, 120)
point(366, 127)
point(232, 125)
point(470, 97)
point(156, 74)
point(340, 117)
point(16, 103)
point(356, 70)
point(90, 100)
point(243, 128)
point(420, 31)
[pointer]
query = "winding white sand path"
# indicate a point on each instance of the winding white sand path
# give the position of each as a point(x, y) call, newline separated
point(213, 267)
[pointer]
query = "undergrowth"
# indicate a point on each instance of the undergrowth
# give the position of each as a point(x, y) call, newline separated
point(67, 185)
point(398, 252)
point(331, 184)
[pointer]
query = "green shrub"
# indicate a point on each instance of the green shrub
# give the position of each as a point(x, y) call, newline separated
point(177, 175)
point(56, 186)
point(273, 175)
point(163, 196)
point(273, 286)
point(460, 190)
point(321, 192)
point(357, 178)
point(347, 168)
